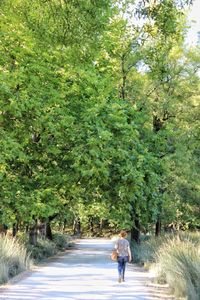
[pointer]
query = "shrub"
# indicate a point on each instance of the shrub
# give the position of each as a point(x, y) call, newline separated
point(13, 258)
point(4, 271)
point(178, 263)
point(61, 240)
point(146, 251)
point(43, 249)
point(193, 237)
point(22, 237)
point(174, 259)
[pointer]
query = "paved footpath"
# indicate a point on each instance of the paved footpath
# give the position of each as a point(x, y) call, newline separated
point(85, 272)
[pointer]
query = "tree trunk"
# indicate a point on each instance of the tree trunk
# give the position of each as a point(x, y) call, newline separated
point(3, 229)
point(123, 86)
point(77, 226)
point(15, 229)
point(64, 225)
point(49, 235)
point(157, 126)
point(74, 227)
point(33, 235)
point(158, 227)
point(135, 230)
point(103, 224)
point(91, 225)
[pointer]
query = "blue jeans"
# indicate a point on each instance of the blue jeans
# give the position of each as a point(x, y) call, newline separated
point(122, 260)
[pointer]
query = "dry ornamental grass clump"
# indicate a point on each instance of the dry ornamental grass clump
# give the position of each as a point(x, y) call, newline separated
point(173, 259)
point(13, 258)
point(178, 263)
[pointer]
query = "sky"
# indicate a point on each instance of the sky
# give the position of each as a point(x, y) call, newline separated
point(193, 22)
point(194, 15)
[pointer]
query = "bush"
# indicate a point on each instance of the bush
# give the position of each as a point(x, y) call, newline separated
point(146, 251)
point(61, 240)
point(178, 262)
point(4, 271)
point(193, 237)
point(13, 258)
point(174, 259)
point(44, 248)
point(22, 237)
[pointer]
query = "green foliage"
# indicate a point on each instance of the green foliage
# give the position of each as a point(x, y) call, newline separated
point(42, 250)
point(46, 248)
point(84, 131)
point(61, 240)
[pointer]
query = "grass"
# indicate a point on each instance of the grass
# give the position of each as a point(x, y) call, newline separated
point(175, 259)
point(16, 255)
point(145, 253)
point(14, 258)
point(178, 263)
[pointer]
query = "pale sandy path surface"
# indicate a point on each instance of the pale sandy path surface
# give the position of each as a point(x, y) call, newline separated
point(82, 273)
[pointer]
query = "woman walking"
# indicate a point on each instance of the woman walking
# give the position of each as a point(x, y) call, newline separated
point(124, 254)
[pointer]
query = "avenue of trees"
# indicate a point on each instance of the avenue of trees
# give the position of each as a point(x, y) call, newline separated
point(99, 115)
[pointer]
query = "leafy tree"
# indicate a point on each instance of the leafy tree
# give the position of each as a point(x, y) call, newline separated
point(94, 115)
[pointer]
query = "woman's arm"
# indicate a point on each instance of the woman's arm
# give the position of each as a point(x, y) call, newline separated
point(116, 245)
point(129, 254)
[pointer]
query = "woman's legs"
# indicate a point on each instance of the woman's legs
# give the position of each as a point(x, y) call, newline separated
point(121, 267)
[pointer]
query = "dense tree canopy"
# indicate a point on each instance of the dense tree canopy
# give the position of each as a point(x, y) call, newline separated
point(99, 114)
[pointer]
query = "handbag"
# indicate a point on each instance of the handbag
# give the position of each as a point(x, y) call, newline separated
point(114, 255)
